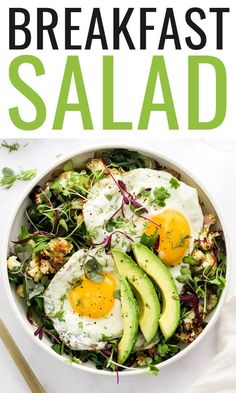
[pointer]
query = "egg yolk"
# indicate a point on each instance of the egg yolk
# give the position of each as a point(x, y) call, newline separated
point(91, 299)
point(174, 231)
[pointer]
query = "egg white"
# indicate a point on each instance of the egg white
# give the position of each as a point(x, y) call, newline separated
point(81, 332)
point(104, 199)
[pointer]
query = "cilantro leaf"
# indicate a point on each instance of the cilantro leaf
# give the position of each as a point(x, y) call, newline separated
point(160, 195)
point(174, 183)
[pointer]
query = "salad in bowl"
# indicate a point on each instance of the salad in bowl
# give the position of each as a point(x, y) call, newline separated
point(120, 261)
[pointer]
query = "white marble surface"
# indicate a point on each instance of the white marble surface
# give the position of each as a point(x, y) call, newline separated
point(212, 162)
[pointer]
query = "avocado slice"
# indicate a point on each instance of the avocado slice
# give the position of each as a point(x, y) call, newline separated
point(148, 302)
point(162, 277)
point(129, 310)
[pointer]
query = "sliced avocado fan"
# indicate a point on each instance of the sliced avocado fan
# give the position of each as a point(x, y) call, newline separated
point(129, 310)
point(148, 302)
point(162, 277)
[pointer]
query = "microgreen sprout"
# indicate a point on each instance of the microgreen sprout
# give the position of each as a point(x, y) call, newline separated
point(108, 239)
point(9, 177)
point(10, 147)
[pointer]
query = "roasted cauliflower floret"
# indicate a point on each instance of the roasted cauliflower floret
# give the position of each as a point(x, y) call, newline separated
point(141, 359)
point(70, 182)
point(34, 269)
point(49, 260)
point(20, 290)
point(75, 180)
point(56, 252)
point(77, 204)
point(13, 263)
point(189, 330)
point(206, 260)
point(39, 194)
point(211, 301)
point(206, 239)
point(79, 219)
point(96, 165)
point(39, 267)
point(59, 247)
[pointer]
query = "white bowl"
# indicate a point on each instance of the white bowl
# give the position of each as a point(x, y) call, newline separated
point(17, 219)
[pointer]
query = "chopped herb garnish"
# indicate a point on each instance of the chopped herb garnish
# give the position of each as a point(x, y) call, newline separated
point(150, 241)
point(160, 195)
point(76, 282)
point(174, 183)
point(63, 298)
point(116, 294)
point(145, 192)
point(181, 242)
point(117, 222)
point(58, 315)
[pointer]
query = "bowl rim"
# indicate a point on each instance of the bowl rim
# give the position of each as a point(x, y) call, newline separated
point(56, 163)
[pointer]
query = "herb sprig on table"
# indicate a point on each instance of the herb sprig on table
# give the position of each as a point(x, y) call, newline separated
point(9, 176)
point(10, 147)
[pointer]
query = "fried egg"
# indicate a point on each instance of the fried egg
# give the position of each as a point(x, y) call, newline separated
point(85, 313)
point(178, 217)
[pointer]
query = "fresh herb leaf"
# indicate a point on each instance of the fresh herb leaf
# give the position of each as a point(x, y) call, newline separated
point(40, 246)
point(75, 282)
point(58, 315)
point(150, 241)
point(153, 370)
point(76, 360)
point(23, 252)
point(116, 223)
point(126, 159)
point(7, 172)
point(185, 275)
point(27, 175)
point(68, 166)
point(9, 177)
point(160, 195)
point(24, 233)
point(10, 147)
point(58, 348)
point(32, 289)
point(174, 183)
point(181, 242)
point(93, 269)
point(63, 224)
point(145, 192)
point(116, 294)
point(189, 260)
